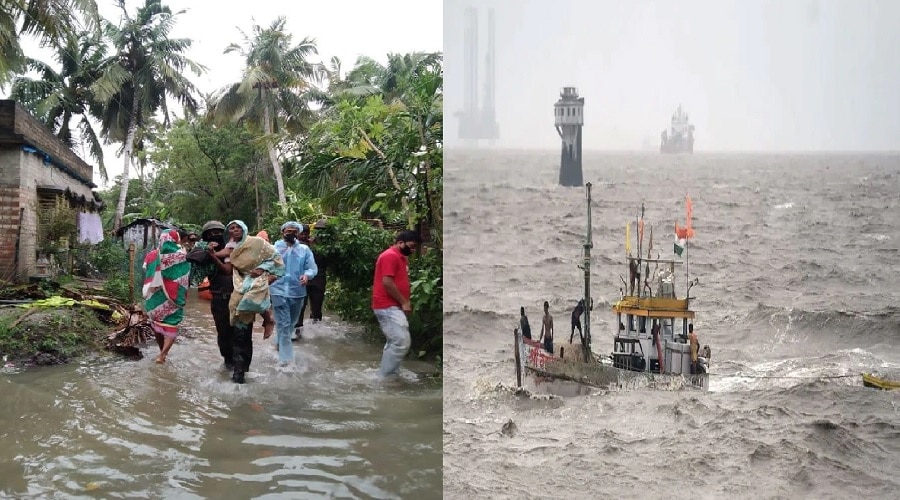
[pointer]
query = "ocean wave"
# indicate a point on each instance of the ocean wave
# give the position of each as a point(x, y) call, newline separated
point(838, 321)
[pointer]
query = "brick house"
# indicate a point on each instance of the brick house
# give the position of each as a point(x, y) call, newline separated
point(37, 171)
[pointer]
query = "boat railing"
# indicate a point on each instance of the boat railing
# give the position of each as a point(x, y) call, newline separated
point(656, 276)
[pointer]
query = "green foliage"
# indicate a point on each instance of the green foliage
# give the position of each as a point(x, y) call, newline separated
point(58, 227)
point(427, 297)
point(208, 172)
point(106, 258)
point(117, 287)
point(109, 260)
point(352, 247)
point(298, 208)
point(378, 151)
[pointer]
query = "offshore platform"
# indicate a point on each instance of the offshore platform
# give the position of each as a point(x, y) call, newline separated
point(478, 123)
point(569, 120)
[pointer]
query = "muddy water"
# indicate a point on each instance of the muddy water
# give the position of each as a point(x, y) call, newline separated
point(326, 428)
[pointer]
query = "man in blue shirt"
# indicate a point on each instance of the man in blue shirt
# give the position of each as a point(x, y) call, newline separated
point(289, 292)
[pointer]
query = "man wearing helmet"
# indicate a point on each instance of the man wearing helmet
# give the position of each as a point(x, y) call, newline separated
point(207, 265)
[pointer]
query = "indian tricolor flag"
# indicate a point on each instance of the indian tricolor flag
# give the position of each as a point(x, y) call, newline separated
point(679, 245)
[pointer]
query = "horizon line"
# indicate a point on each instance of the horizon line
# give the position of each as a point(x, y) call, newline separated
point(702, 152)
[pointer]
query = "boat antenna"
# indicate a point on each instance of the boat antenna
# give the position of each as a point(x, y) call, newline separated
point(640, 228)
point(588, 244)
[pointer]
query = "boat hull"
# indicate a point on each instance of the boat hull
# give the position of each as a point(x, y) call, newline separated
point(541, 371)
point(879, 383)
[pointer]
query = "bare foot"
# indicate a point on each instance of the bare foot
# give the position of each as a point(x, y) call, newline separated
point(160, 360)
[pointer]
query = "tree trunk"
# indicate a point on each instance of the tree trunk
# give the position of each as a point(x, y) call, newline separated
point(273, 157)
point(410, 223)
point(65, 133)
point(256, 190)
point(434, 215)
point(129, 149)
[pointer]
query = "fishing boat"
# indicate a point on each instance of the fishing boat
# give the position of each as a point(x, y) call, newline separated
point(651, 336)
point(874, 382)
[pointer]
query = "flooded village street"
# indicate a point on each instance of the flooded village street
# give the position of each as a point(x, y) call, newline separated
point(327, 427)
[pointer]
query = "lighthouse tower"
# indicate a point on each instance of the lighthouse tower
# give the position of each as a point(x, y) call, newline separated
point(569, 120)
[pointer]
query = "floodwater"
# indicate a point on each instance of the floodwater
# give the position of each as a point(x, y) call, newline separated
point(798, 260)
point(113, 428)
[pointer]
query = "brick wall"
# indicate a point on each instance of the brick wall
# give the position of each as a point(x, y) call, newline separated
point(20, 175)
point(29, 171)
point(9, 211)
point(15, 120)
point(9, 224)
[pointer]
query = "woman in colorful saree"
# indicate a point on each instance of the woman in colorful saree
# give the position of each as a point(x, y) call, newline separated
point(256, 263)
point(166, 280)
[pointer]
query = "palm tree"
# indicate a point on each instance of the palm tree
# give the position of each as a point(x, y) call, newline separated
point(362, 81)
point(402, 69)
point(147, 68)
point(52, 21)
point(57, 98)
point(385, 146)
point(369, 77)
point(275, 90)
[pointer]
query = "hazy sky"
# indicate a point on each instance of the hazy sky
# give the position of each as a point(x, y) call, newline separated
point(343, 28)
point(802, 75)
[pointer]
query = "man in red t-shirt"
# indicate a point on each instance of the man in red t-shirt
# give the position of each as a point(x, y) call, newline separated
point(390, 300)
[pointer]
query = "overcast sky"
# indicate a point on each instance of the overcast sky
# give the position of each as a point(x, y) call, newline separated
point(803, 75)
point(343, 28)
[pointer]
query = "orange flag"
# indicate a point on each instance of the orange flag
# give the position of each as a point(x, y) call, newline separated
point(690, 213)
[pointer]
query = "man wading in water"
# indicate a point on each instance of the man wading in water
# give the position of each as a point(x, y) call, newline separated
point(207, 265)
point(390, 300)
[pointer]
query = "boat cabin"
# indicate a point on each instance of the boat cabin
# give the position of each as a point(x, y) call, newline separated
point(652, 329)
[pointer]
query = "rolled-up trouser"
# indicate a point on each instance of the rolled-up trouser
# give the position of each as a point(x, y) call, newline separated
point(395, 327)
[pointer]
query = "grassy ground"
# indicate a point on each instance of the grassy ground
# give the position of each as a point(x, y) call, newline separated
point(52, 335)
point(49, 336)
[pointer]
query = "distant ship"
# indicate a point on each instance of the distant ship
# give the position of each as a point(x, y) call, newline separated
point(680, 137)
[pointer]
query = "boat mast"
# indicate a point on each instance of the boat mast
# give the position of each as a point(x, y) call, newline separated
point(687, 272)
point(588, 244)
point(640, 235)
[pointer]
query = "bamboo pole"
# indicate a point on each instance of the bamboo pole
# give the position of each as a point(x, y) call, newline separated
point(131, 271)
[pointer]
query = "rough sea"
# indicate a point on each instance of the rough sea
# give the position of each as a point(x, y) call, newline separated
point(798, 261)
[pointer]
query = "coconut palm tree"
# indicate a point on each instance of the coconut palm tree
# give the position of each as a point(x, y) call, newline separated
point(147, 68)
point(58, 97)
point(369, 77)
point(404, 68)
point(52, 21)
point(275, 91)
point(361, 81)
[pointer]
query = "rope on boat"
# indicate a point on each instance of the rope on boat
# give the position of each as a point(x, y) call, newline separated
point(784, 376)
